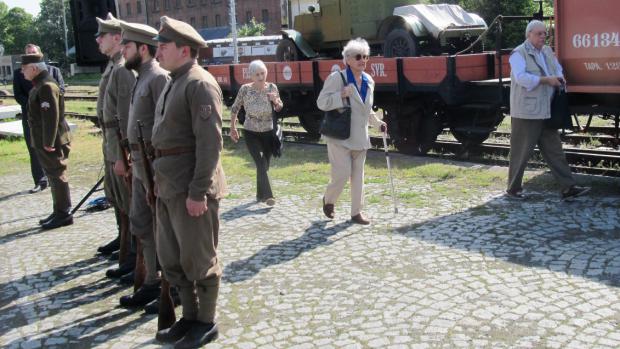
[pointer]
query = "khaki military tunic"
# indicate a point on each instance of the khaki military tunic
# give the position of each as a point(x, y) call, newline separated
point(149, 85)
point(103, 84)
point(188, 120)
point(116, 104)
point(48, 127)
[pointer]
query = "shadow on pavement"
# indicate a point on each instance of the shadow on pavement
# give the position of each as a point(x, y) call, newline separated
point(317, 234)
point(244, 210)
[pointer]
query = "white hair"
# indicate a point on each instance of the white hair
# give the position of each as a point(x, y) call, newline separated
point(355, 46)
point(532, 25)
point(256, 66)
point(41, 66)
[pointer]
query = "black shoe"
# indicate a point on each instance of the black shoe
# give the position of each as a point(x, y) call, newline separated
point(127, 279)
point(153, 307)
point(143, 296)
point(59, 220)
point(123, 269)
point(47, 219)
point(199, 335)
point(574, 192)
point(175, 332)
point(114, 256)
point(110, 247)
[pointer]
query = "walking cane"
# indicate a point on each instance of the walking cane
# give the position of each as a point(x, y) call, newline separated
point(387, 158)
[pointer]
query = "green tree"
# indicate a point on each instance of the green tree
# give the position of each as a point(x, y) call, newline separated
point(50, 31)
point(16, 28)
point(251, 29)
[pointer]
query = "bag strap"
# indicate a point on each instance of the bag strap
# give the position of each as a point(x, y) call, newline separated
point(344, 84)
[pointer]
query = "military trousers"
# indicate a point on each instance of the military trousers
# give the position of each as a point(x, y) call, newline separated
point(118, 189)
point(525, 135)
point(55, 166)
point(141, 226)
point(186, 248)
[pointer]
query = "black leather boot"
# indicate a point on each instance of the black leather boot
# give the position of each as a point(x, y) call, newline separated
point(110, 247)
point(176, 332)
point(199, 335)
point(143, 296)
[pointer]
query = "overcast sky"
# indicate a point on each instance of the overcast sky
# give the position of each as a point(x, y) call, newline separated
point(31, 6)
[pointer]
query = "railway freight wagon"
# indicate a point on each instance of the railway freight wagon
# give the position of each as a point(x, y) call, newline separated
point(466, 93)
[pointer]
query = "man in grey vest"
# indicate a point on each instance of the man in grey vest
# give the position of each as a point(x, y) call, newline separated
point(535, 74)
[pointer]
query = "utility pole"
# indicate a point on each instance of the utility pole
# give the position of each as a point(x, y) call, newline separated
point(233, 28)
point(64, 27)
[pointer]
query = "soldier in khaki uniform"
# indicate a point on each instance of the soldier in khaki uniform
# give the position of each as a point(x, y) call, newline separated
point(187, 138)
point(139, 52)
point(116, 98)
point(49, 136)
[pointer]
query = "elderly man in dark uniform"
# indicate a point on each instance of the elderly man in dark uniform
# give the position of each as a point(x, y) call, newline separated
point(50, 136)
point(190, 181)
point(21, 89)
point(139, 49)
point(113, 102)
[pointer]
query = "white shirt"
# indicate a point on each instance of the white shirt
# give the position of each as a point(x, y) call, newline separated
point(525, 79)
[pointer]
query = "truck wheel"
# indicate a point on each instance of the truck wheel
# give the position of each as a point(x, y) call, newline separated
point(400, 43)
point(287, 51)
point(311, 122)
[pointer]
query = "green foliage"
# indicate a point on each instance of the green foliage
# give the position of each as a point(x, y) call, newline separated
point(50, 31)
point(16, 28)
point(251, 29)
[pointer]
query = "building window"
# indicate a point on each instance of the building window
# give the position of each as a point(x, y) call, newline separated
point(128, 9)
point(192, 22)
point(248, 16)
point(155, 5)
point(218, 21)
point(167, 4)
point(203, 2)
point(215, 2)
point(265, 15)
point(178, 4)
point(191, 3)
point(205, 24)
point(139, 7)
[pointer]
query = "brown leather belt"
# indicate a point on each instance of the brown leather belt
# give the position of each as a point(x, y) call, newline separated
point(136, 146)
point(110, 124)
point(159, 153)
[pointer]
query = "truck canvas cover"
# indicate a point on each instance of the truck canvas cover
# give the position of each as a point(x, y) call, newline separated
point(442, 17)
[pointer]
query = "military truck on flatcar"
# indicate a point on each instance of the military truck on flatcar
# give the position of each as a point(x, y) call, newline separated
point(394, 28)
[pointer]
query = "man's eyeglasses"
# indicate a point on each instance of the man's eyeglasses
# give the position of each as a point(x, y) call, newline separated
point(543, 33)
point(359, 57)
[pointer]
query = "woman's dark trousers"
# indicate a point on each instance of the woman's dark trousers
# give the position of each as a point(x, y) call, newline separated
point(260, 147)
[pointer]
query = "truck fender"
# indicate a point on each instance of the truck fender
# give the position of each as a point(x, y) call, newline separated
point(299, 41)
point(411, 23)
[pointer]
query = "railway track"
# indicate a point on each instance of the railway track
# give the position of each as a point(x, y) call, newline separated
point(590, 161)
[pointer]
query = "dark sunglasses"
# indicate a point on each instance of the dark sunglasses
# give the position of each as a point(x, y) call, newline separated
point(359, 57)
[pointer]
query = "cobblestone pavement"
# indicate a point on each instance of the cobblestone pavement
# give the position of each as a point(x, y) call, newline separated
point(486, 273)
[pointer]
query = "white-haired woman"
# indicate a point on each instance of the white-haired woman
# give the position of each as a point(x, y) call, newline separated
point(258, 98)
point(347, 157)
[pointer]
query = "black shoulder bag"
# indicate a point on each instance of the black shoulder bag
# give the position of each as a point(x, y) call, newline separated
point(337, 123)
point(560, 114)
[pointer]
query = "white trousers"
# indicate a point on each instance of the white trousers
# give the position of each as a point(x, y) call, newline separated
point(346, 163)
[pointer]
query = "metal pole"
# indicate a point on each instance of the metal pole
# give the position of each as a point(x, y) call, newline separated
point(64, 27)
point(233, 28)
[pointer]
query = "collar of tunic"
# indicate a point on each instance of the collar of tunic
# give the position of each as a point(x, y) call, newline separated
point(39, 78)
point(182, 70)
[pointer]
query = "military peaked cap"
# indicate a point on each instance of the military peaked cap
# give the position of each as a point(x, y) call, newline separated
point(180, 33)
point(32, 58)
point(137, 32)
point(108, 25)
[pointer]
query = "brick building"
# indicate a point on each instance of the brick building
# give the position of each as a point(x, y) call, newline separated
point(202, 13)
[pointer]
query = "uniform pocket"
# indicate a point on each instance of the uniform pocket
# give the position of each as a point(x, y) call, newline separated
point(530, 105)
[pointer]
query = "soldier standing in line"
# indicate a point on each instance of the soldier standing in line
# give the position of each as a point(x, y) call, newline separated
point(49, 136)
point(115, 90)
point(139, 50)
point(187, 138)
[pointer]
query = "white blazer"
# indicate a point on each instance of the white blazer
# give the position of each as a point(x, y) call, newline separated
point(361, 111)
